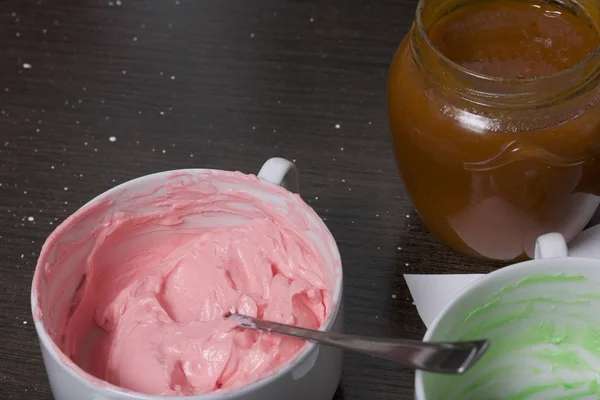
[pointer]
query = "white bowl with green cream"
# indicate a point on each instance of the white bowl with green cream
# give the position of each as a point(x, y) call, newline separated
point(542, 318)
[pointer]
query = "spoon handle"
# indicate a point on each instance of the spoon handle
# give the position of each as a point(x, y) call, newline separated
point(441, 357)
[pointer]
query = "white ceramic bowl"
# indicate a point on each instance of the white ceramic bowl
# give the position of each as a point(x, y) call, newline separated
point(314, 374)
point(543, 320)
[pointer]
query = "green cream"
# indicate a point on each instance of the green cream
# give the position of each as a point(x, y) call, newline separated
point(545, 343)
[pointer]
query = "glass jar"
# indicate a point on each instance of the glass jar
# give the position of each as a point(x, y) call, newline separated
point(492, 163)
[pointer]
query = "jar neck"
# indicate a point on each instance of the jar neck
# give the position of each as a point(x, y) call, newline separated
point(489, 90)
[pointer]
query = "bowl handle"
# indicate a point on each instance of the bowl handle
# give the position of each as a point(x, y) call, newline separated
point(280, 172)
point(551, 245)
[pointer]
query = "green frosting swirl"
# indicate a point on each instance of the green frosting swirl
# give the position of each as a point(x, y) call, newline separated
point(545, 343)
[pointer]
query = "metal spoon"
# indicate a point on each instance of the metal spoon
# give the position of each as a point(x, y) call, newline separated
point(440, 357)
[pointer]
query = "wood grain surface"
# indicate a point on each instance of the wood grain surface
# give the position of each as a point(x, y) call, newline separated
point(221, 84)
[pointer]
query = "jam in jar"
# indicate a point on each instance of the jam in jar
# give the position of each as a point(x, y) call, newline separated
point(494, 110)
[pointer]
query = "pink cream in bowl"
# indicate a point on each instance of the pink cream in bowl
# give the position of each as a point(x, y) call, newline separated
point(133, 287)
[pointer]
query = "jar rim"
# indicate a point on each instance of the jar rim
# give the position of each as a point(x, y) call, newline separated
point(491, 78)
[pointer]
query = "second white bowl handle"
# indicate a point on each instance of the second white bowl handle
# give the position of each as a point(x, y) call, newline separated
point(551, 245)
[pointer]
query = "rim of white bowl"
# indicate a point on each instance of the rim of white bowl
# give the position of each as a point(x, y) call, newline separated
point(89, 380)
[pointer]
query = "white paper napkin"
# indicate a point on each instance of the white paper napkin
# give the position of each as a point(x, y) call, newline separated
point(432, 292)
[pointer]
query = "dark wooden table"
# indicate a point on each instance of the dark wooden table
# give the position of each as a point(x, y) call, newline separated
point(222, 84)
